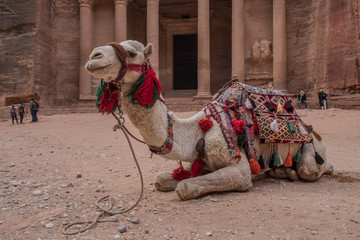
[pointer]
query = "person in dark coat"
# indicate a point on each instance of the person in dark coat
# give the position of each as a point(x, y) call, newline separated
point(322, 99)
point(21, 110)
point(34, 107)
point(13, 115)
point(302, 99)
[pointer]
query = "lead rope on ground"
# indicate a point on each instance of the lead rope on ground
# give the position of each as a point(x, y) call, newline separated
point(110, 199)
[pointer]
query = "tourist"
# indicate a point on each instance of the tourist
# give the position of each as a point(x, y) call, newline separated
point(13, 115)
point(270, 86)
point(34, 107)
point(21, 110)
point(322, 99)
point(302, 99)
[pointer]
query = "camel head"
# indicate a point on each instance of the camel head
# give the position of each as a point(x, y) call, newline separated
point(105, 63)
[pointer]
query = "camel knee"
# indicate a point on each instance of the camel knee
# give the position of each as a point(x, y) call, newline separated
point(165, 182)
point(308, 174)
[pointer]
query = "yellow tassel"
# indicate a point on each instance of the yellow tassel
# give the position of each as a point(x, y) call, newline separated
point(280, 109)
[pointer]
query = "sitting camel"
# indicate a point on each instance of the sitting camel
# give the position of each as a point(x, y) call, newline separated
point(221, 156)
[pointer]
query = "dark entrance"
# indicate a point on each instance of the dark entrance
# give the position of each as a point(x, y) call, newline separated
point(185, 62)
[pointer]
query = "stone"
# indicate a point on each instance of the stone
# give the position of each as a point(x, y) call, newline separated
point(314, 232)
point(134, 220)
point(37, 192)
point(122, 228)
point(49, 225)
point(208, 234)
point(117, 237)
point(78, 175)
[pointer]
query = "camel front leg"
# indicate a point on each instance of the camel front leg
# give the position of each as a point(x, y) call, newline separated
point(165, 182)
point(236, 177)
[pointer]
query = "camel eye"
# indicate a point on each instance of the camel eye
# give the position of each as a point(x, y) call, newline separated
point(132, 54)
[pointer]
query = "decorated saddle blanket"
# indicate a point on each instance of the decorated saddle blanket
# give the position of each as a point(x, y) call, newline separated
point(272, 113)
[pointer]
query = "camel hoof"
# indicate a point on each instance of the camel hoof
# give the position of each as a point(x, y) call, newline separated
point(292, 174)
point(329, 169)
point(186, 190)
point(165, 182)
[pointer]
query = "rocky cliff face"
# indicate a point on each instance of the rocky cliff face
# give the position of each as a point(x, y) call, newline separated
point(323, 45)
point(39, 43)
point(17, 47)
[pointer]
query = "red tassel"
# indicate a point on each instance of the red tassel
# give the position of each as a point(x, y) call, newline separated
point(109, 99)
point(205, 124)
point(238, 125)
point(254, 166)
point(180, 173)
point(197, 168)
point(149, 91)
point(288, 161)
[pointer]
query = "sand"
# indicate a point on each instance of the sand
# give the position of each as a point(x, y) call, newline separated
point(53, 171)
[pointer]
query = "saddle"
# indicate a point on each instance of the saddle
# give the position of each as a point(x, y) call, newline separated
point(269, 113)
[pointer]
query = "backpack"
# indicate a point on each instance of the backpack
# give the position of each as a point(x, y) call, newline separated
point(13, 112)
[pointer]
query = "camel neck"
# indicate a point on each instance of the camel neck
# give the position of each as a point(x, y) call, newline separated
point(151, 122)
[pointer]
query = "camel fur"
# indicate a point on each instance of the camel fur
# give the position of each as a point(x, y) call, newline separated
point(223, 172)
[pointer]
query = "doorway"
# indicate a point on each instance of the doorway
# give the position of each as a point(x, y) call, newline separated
point(185, 61)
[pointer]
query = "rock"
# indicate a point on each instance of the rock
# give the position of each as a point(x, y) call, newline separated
point(78, 175)
point(122, 228)
point(49, 225)
point(117, 237)
point(127, 175)
point(134, 220)
point(15, 183)
point(12, 165)
point(354, 221)
point(37, 192)
point(208, 234)
point(147, 231)
point(314, 232)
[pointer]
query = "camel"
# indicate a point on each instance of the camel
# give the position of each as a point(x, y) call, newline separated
point(221, 170)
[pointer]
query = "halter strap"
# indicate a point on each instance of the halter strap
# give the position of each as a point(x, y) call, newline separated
point(122, 54)
point(168, 144)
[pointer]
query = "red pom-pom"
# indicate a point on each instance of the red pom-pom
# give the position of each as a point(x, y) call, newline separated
point(180, 173)
point(205, 124)
point(197, 168)
point(254, 166)
point(238, 125)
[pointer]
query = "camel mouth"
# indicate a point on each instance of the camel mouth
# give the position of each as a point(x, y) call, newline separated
point(94, 67)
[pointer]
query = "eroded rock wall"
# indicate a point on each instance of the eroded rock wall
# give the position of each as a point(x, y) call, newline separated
point(322, 45)
point(17, 47)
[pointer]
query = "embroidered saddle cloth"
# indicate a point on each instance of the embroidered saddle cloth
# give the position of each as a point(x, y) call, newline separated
point(265, 107)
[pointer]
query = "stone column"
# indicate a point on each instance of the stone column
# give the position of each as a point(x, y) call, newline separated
point(237, 40)
point(279, 44)
point(85, 47)
point(152, 27)
point(120, 20)
point(203, 50)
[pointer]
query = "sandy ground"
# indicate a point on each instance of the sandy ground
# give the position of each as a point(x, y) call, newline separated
point(53, 171)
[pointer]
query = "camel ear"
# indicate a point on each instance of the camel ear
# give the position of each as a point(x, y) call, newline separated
point(148, 50)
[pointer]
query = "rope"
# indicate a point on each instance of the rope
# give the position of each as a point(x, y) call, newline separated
point(110, 199)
